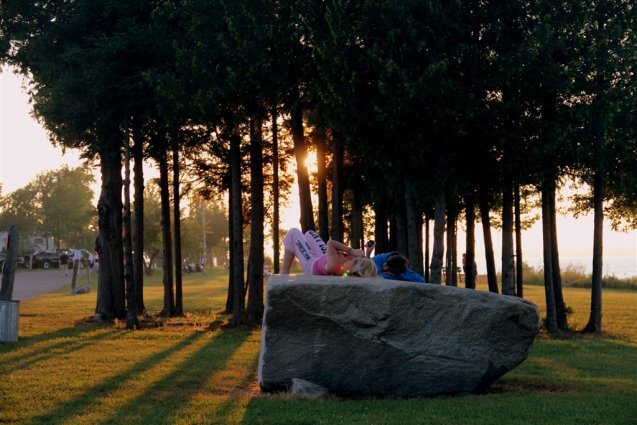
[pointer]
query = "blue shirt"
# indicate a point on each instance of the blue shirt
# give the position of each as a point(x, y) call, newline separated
point(408, 275)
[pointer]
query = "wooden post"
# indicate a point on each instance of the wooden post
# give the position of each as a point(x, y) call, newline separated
point(10, 263)
point(9, 315)
point(9, 309)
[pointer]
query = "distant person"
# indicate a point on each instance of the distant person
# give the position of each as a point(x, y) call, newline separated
point(64, 263)
point(91, 260)
point(77, 256)
point(393, 265)
point(318, 258)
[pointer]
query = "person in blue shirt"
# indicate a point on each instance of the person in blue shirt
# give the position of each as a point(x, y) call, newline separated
point(393, 265)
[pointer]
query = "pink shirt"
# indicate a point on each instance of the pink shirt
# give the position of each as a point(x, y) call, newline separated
point(318, 269)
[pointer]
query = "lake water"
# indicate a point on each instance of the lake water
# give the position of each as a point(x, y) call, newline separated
point(619, 266)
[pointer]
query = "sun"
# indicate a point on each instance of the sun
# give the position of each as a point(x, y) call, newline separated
point(310, 162)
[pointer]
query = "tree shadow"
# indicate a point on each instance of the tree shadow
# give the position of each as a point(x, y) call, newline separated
point(41, 347)
point(163, 398)
point(90, 396)
point(194, 385)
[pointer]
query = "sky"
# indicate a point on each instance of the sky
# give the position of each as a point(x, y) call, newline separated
point(26, 151)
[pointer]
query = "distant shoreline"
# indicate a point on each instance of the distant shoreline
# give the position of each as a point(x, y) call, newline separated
point(620, 266)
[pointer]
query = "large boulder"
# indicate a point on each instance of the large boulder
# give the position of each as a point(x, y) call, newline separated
point(370, 337)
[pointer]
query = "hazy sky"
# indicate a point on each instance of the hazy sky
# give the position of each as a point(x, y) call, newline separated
point(25, 151)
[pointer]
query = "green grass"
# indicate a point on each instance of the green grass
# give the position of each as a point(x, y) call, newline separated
point(190, 370)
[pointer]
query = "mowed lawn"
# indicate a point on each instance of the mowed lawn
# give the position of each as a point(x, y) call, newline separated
point(191, 370)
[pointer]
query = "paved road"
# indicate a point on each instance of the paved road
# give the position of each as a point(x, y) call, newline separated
point(29, 284)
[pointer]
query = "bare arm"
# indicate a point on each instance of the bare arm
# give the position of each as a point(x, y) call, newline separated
point(341, 247)
point(369, 247)
point(337, 252)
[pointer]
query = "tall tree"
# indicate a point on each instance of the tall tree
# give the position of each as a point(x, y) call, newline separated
point(179, 299)
point(138, 223)
point(131, 293)
point(488, 243)
point(238, 295)
point(87, 71)
point(168, 308)
point(508, 282)
point(608, 46)
point(254, 308)
point(275, 192)
point(300, 151)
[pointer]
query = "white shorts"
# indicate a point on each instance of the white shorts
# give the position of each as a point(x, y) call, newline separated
point(307, 248)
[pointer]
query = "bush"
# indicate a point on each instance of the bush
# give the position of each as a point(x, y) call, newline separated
point(574, 276)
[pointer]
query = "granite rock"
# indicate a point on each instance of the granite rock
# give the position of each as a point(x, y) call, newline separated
point(373, 337)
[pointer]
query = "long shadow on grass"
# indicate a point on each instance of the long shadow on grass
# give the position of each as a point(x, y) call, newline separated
point(236, 402)
point(163, 401)
point(597, 361)
point(70, 340)
point(91, 395)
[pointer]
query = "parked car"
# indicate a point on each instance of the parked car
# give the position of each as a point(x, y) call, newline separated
point(87, 258)
point(43, 259)
point(2, 258)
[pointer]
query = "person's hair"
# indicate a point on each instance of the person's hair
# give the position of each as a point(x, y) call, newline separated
point(363, 267)
point(397, 264)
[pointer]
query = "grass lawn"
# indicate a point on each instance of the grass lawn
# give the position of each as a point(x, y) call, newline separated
point(191, 370)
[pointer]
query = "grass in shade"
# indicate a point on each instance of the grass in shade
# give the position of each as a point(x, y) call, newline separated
point(191, 370)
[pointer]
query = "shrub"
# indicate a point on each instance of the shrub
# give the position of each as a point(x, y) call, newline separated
point(574, 276)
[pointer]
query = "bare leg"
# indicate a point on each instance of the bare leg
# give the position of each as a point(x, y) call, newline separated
point(288, 258)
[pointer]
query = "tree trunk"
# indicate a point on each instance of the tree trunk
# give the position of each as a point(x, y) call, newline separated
point(356, 235)
point(414, 230)
point(276, 221)
point(439, 234)
point(508, 282)
point(560, 308)
point(337, 192)
point(451, 276)
point(401, 225)
point(131, 304)
point(76, 267)
point(551, 318)
point(492, 278)
point(10, 264)
point(380, 227)
point(323, 211)
point(300, 151)
point(169, 296)
point(427, 274)
point(595, 319)
point(254, 308)
point(231, 254)
point(392, 243)
point(519, 263)
point(470, 254)
point(110, 290)
point(138, 231)
point(238, 305)
point(179, 299)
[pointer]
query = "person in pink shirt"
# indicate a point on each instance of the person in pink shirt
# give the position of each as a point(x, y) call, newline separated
point(318, 258)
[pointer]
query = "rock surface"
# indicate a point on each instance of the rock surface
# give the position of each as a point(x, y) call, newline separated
point(370, 337)
point(304, 389)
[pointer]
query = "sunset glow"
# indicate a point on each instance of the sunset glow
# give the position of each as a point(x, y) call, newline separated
point(310, 162)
